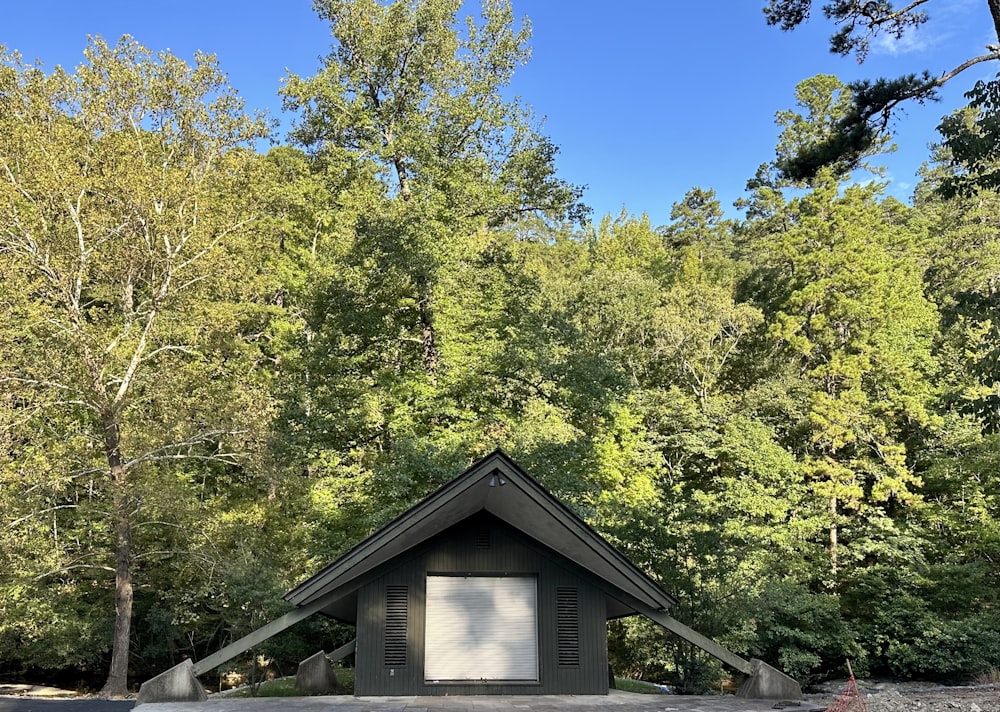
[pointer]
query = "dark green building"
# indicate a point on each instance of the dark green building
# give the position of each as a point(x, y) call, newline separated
point(487, 586)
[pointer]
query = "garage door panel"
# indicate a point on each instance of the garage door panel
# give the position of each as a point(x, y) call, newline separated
point(481, 628)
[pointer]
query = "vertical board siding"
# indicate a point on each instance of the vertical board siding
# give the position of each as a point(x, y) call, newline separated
point(460, 550)
point(367, 650)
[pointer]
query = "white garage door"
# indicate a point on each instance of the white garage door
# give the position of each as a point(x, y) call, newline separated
point(481, 628)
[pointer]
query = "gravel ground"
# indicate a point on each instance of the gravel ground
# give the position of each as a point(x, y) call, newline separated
point(910, 697)
point(981, 699)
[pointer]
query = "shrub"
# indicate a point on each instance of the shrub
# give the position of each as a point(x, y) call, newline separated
point(804, 633)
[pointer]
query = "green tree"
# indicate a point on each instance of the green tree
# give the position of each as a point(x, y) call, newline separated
point(809, 137)
point(853, 319)
point(963, 278)
point(814, 137)
point(872, 101)
point(409, 97)
point(409, 106)
point(682, 473)
point(419, 100)
point(972, 137)
point(117, 201)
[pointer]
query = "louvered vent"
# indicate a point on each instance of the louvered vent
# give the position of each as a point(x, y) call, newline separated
point(482, 539)
point(568, 624)
point(396, 610)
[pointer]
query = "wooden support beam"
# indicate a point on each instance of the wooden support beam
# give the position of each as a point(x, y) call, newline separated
point(258, 636)
point(696, 638)
point(343, 651)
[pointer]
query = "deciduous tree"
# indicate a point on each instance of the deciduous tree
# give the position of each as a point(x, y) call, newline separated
point(410, 104)
point(119, 188)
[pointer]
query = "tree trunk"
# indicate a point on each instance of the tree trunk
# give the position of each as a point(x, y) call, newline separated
point(833, 537)
point(117, 682)
point(401, 176)
point(995, 12)
point(431, 357)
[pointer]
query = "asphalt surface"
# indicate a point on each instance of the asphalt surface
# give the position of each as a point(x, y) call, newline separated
point(617, 701)
point(36, 704)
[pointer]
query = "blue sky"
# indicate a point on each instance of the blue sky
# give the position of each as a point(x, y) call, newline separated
point(646, 98)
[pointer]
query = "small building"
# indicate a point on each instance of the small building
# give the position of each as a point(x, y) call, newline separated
point(488, 586)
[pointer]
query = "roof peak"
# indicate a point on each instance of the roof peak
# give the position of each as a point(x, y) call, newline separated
point(514, 497)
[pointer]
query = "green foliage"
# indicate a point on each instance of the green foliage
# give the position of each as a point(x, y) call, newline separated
point(409, 91)
point(947, 649)
point(133, 406)
point(972, 136)
point(641, 650)
point(854, 320)
point(931, 622)
point(420, 302)
point(834, 133)
point(285, 687)
point(860, 128)
point(864, 123)
point(806, 633)
point(248, 362)
point(859, 20)
point(962, 278)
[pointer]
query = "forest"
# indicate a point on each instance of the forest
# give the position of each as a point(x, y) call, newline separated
point(224, 362)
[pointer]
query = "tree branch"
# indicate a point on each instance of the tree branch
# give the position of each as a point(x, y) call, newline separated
point(215, 241)
point(11, 525)
point(170, 452)
point(74, 566)
point(965, 65)
point(35, 382)
point(161, 349)
point(892, 16)
point(173, 552)
point(229, 458)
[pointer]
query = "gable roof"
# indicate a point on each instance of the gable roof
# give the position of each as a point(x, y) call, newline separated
point(495, 484)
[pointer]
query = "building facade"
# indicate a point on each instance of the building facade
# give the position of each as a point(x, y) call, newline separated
point(481, 609)
point(487, 586)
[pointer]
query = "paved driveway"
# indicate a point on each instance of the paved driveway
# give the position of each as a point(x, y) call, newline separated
point(617, 701)
point(37, 704)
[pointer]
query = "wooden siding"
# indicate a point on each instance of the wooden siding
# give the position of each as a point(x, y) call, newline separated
point(462, 549)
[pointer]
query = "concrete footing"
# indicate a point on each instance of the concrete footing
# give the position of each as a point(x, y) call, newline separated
point(768, 683)
point(178, 684)
point(315, 676)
